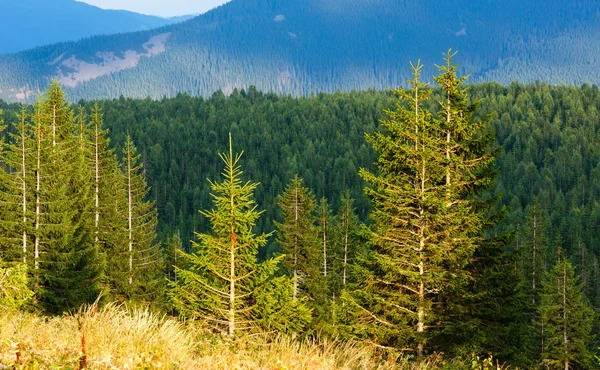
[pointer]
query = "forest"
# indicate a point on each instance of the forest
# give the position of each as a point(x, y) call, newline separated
point(446, 224)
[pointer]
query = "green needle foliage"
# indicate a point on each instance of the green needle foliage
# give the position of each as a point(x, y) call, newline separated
point(297, 237)
point(69, 265)
point(425, 223)
point(14, 286)
point(145, 280)
point(567, 319)
point(225, 285)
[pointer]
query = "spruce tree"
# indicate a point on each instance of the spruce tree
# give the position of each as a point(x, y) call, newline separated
point(483, 312)
point(297, 237)
point(15, 195)
point(109, 207)
point(225, 285)
point(425, 225)
point(145, 270)
point(66, 259)
point(568, 319)
point(533, 251)
point(344, 245)
point(304, 246)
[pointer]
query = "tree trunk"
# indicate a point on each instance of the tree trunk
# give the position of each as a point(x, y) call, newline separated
point(565, 337)
point(24, 188)
point(534, 265)
point(36, 251)
point(97, 183)
point(232, 243)
point(295, 290)
point(346, 246)
point(324, 225)
point(130, 214)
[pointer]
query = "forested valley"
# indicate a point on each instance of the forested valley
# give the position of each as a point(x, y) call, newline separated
point(450, 225)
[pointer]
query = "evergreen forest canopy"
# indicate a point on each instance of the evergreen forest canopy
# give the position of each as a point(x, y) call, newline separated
point(528, 253)
point(301, 47)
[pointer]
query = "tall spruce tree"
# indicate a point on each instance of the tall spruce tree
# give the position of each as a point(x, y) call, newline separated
point(109, 207)
point(15, 195)
point(484, 312)
point(568, 319)
point(67, 259)
point(425, 225)
point(145, 270)
point(225, 285)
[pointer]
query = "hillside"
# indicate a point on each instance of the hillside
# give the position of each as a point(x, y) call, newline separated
point(66, 20)
point(299, 47)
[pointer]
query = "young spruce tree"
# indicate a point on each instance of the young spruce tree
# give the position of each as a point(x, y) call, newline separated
point(224, 284)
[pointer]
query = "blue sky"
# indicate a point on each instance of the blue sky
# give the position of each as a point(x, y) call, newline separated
point(165, 8)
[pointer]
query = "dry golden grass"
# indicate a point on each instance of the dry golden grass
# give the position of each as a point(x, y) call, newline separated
point(117, 338)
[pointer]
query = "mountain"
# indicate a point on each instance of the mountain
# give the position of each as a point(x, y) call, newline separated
point(182, 18)
point(303, 46)
point(25, 24)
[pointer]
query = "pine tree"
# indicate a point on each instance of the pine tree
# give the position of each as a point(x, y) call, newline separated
point(568, 318)
point(225, 285)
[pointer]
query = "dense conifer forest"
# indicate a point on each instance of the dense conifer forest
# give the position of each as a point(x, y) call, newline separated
point(452, 218)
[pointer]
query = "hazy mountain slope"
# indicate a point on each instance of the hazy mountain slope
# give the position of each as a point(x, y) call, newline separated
point(25, 24)
point(303, 46)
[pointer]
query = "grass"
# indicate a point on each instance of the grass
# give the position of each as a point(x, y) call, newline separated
point(114, 337)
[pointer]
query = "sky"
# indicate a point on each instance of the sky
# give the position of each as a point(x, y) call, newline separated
point(164, 8)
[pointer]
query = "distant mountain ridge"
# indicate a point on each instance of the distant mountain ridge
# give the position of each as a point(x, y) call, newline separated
point(304, 46)
point(25, 24)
